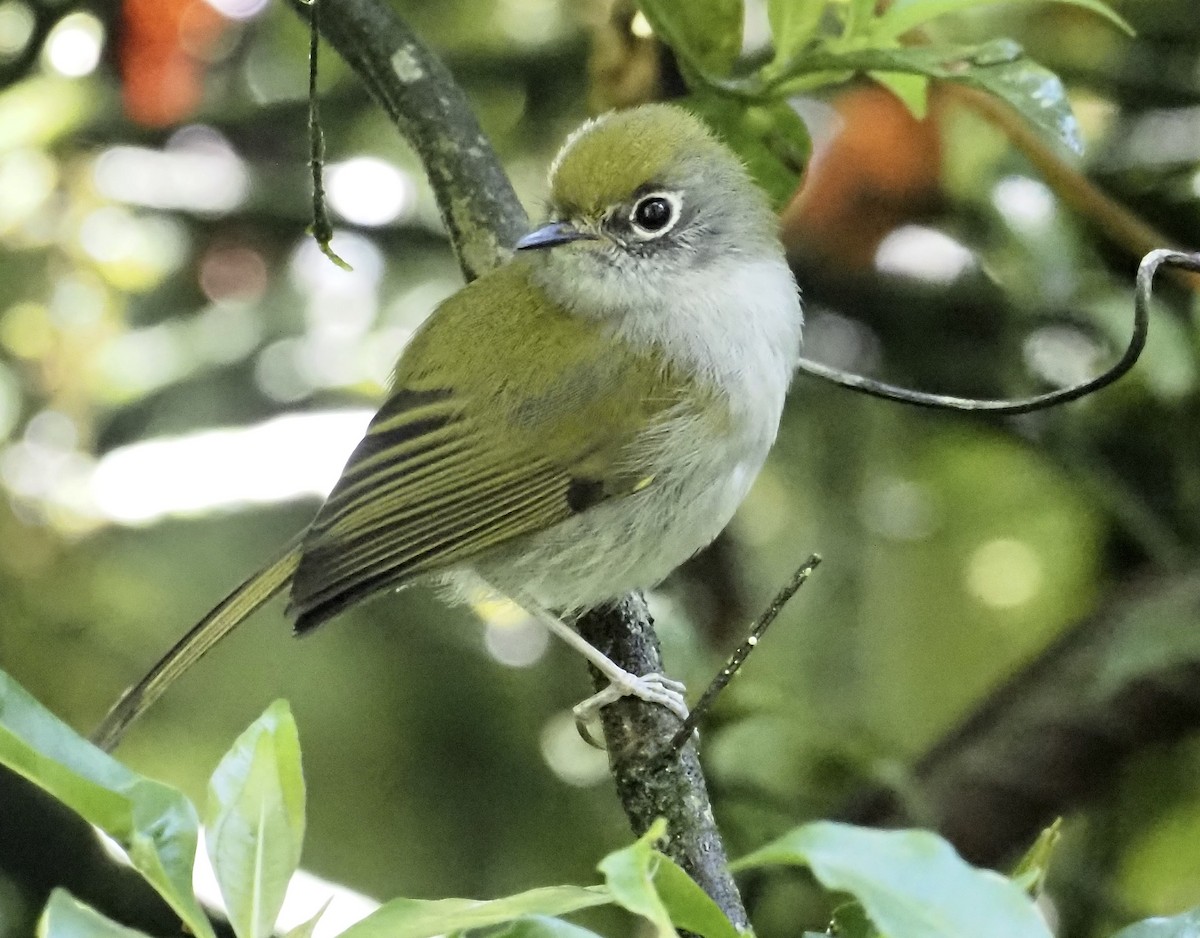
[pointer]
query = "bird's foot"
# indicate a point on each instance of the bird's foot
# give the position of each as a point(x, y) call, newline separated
point(652, 688)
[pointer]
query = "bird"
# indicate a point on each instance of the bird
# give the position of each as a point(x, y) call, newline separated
point(570, 426)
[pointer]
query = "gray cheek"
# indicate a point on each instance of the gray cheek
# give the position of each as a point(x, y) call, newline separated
point(684, 249)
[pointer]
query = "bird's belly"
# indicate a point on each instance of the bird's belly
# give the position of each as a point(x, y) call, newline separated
point(629, 543)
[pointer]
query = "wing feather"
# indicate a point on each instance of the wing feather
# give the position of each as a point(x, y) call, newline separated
point(436, 508)
point(405, 530)
point(506, 515)
point(390, 540)
point(420, 491)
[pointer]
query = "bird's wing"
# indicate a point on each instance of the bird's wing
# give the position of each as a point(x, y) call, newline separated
point(423, 489)
point(458, 460)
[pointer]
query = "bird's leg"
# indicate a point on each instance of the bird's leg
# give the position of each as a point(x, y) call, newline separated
point(653, 688)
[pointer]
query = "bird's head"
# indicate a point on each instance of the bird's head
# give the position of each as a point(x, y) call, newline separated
point(639, 200)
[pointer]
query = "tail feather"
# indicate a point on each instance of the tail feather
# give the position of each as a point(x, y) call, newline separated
point(227, 616)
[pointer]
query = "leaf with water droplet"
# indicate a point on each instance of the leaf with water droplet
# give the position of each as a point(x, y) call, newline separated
point(997, 52)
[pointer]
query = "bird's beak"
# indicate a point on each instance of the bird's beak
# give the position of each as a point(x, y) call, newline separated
point(557, 232)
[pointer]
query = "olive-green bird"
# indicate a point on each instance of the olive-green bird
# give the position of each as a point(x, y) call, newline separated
point(571, 426)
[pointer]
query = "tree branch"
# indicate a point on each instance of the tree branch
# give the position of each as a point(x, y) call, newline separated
point(483, 218)
point(652, 779)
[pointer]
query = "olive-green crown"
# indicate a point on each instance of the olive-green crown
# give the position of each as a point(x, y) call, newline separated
point(608, 159)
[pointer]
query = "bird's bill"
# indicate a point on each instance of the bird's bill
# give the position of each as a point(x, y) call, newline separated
point(557, 232)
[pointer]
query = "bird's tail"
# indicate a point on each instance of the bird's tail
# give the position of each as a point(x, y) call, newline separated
point(227, 616)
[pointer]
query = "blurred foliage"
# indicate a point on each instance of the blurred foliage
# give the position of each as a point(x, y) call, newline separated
point(157, 284)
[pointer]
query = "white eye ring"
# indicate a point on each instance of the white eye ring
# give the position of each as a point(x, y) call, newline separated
point(647, 218)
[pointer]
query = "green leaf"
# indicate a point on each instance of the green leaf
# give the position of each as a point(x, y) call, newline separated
point(860, 17)
point(689, 906)
point(67, 917)
point(1030, 872)
point(255, 821)
point(850, 921)
point(1186, 925)
point(912, 90)
point(539, 926)
point(705, 35)
point(904, 15)
point(999, 68)
point(911, 883)
point(770, 137)
point(305, 929)
point(154, 823)
point(424, 918)
point(793, 24)
point(629, 874)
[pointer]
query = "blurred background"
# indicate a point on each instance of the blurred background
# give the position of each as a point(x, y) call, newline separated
point(1006, 624)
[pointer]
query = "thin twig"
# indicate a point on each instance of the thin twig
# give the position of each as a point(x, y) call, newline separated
point(321, 228)
point(1149, 266)
point(1013, 406)
point(738, 658)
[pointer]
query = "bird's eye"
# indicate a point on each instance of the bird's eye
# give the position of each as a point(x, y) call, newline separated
point(653, 215)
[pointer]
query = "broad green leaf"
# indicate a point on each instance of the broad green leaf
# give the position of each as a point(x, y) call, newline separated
point(904, 15)
point(911, 883)
point(999, 68)
point(155, 824)
point(254, 821)
point(1186, 925)
point(424, 918)
point(704, 34)
point(770, 138)
point(539, 926)
point(689, 906)
point(793, 25)
point(629, 874)
point(67, 917)
point(1030, 871)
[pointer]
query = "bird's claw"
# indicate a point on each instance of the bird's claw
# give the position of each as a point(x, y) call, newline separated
point(652, 688)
